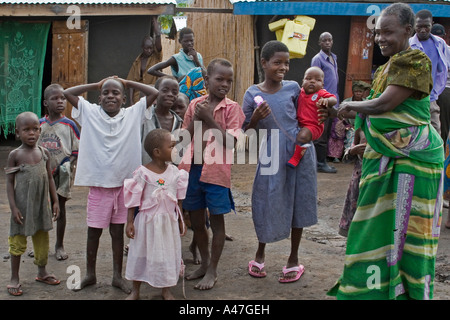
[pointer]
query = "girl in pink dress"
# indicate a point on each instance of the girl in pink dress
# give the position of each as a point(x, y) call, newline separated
point(154, 254)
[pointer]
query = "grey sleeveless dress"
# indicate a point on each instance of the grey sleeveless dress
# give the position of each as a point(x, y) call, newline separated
point(32, 197)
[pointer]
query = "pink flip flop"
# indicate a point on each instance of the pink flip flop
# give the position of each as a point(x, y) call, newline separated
point(260, 266)
point(48, 279)
point(298, 269)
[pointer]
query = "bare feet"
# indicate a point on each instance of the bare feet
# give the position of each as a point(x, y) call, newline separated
point(122, 284)
point(195, 254)
point(208, 281)
point(87, 281)
point(134, 295)
point(61, 254)
point(200, 272)
point(166, 294)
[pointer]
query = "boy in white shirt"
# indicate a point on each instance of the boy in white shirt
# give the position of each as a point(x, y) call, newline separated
point(110, 149)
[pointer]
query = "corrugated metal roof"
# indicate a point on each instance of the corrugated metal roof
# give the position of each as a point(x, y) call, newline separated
point(373, 2)
point(121, 2)
point(235, 1)
point(439, 8)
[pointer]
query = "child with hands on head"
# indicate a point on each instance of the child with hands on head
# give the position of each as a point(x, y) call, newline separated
point(28, 186)
point(157, 188)
point(110, 149)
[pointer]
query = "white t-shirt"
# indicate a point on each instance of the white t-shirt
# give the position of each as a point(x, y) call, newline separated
point(110, 147)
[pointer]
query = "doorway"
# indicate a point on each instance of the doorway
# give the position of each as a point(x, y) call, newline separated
point(364, 56)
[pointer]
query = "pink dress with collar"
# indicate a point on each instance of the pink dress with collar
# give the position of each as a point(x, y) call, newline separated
point(154, 255)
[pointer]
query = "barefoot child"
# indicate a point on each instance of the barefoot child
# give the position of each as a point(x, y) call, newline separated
point(284, 201)
point(154, 254)
point(180, 108)
point(210, 178)
point(312, 95)
point(161, 115)
point(60, 136)
point(110, 147)
point(29, 183)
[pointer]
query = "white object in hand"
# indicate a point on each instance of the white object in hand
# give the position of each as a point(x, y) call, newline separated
point(258, 100)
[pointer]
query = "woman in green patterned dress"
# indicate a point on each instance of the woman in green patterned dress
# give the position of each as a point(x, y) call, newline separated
point(392, 241)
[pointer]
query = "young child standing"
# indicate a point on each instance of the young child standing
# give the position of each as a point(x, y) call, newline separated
point(351, 199)
point(161, 115)
point(358, 92)
point(60, 136)
point(154, 254)
point(212, 115)
point(110, 147)
point(285, 201)
point(29, 183)
point(312, 95)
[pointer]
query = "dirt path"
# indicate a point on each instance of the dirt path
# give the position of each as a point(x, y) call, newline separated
point(321, 251)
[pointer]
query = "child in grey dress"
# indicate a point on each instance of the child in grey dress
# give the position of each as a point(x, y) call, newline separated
point(29, 182)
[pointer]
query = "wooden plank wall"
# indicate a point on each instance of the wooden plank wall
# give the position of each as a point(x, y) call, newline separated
point(224, 35)
point(69, 56)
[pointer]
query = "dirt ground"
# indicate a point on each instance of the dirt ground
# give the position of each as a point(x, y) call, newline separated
point(321, 252)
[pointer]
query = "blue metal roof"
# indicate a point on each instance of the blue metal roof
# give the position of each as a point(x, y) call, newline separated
point(285, 7)
point(121, 2)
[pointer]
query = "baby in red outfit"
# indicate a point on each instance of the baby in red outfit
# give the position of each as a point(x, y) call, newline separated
point(311, 96)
